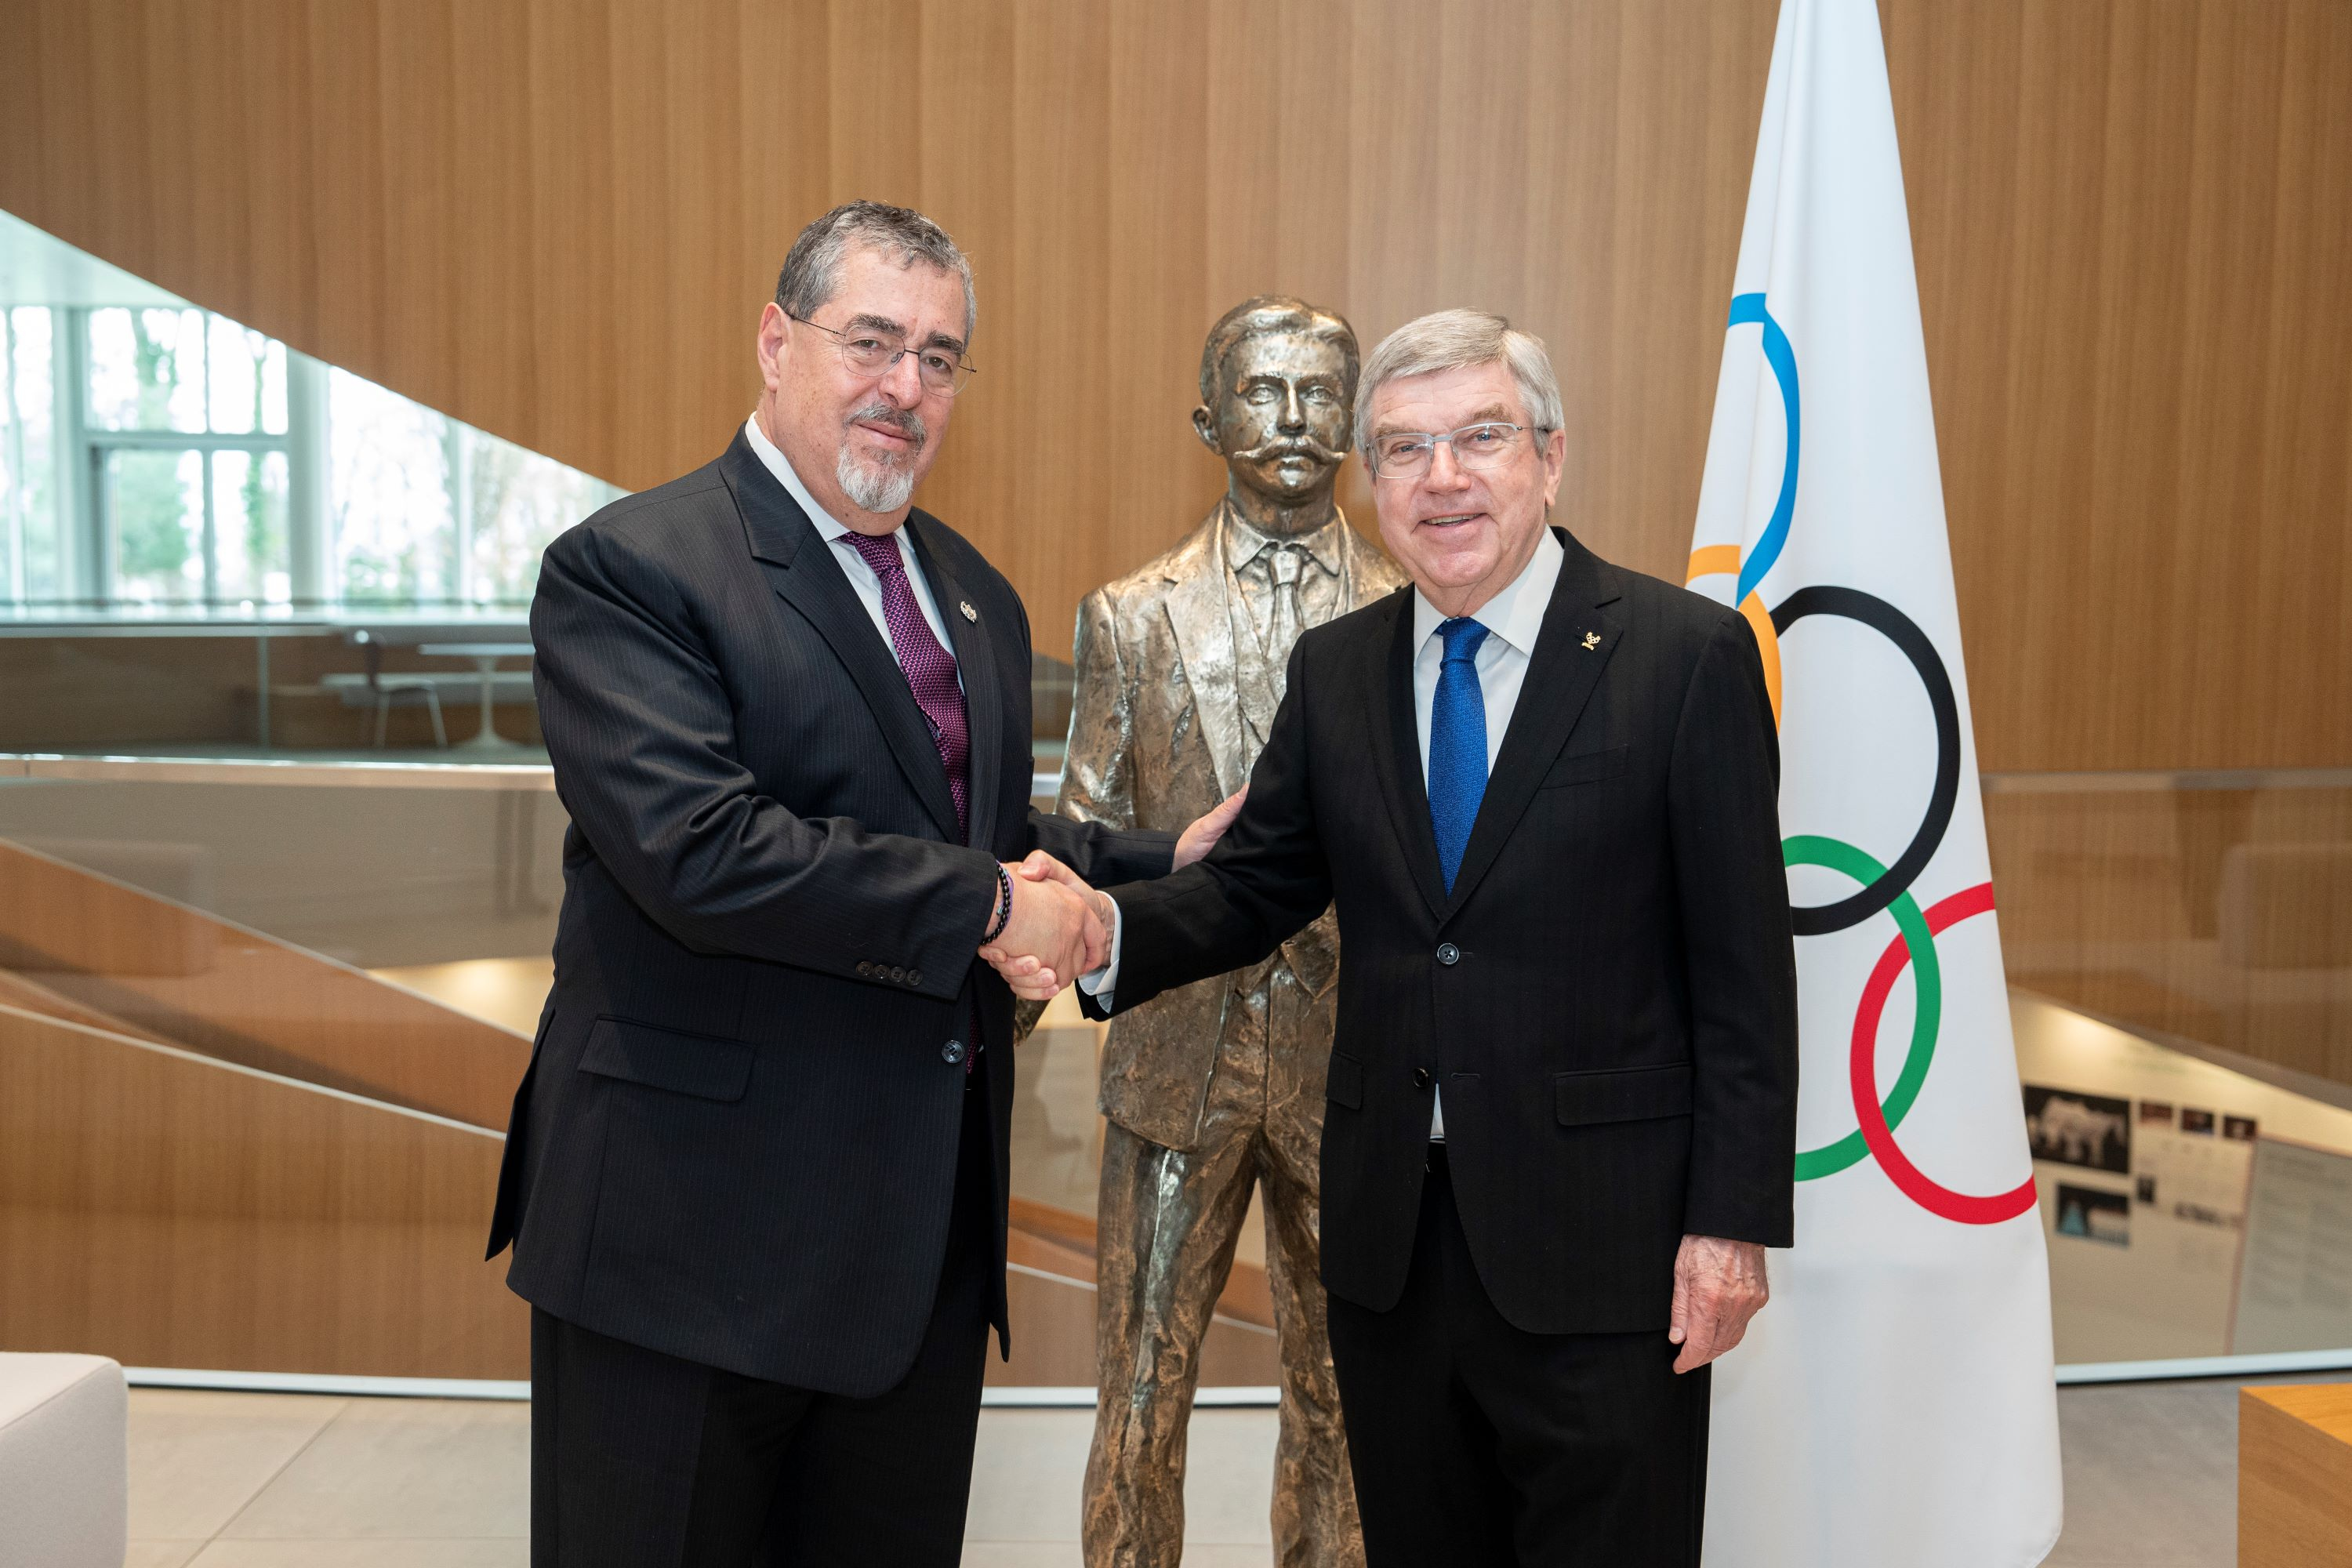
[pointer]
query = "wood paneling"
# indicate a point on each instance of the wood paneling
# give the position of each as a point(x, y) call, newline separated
point(2221, 915)
point(112, 950)
point(2294, 1476)
point(168, 1210)
point(557, 219)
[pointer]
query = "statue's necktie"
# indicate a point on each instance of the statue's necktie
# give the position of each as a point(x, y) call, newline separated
point(1457, 744)
point(930, 669)
point(1284, 559)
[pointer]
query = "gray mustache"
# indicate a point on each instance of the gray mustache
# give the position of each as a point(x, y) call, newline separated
point(905, 420)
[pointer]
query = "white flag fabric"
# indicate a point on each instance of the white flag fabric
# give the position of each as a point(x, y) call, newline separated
point(1895, 1401)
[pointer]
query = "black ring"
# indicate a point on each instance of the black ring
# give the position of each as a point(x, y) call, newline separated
point(1819, 920)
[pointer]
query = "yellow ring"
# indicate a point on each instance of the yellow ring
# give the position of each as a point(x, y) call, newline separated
point(1724, 559)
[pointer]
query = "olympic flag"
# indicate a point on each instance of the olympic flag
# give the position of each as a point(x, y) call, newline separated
point(1895, 1403)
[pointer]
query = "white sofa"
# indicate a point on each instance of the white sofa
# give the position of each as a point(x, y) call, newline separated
point(64, 1473)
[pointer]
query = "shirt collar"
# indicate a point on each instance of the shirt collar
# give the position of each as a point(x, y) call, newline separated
point(770, 454)
point(1243, 543)
point(1516, 614)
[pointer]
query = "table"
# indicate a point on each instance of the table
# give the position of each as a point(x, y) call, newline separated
point(2294, 1476)
point(486, 657)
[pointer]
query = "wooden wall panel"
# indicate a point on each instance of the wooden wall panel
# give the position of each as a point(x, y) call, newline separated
point(558, 219)
point(171, 1211)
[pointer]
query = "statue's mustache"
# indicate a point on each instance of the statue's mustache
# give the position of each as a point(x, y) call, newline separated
point(1292, 447)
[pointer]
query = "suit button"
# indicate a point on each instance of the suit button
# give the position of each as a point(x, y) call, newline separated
point(914, 977)
point(897, 974)
point(1447, 953)
point(864, 968)
point(1421, 1078)
point(952, 1052)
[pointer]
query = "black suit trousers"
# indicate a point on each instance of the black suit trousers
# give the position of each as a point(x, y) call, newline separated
point(641, 1459)
point(1475, 1443)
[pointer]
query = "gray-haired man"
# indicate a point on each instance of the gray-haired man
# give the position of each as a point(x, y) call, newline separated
point(755, 1177)
point(1539, 790)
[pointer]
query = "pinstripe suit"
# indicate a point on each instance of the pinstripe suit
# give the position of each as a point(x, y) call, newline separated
point(1604, 993)
point(739, 1139)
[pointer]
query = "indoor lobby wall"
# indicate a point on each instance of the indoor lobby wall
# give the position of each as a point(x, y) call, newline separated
point(556, 221)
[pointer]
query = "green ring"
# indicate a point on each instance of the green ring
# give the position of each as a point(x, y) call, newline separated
point(1927, 979)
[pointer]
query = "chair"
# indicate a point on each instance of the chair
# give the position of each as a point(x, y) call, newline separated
point(64, 1488)
point(388, 688)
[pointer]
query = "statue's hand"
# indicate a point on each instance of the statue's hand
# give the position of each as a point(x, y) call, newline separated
point(1202, 837)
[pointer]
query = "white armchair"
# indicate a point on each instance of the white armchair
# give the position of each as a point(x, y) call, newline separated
point(64, 1469)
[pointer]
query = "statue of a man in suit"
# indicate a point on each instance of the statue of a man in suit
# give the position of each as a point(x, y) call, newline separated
point(1217, 1087)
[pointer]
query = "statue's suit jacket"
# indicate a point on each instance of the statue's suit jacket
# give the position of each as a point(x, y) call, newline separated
point(1607, 993)
point(1161, 730)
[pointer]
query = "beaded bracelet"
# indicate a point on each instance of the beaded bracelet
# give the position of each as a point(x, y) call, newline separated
point(1004, 912)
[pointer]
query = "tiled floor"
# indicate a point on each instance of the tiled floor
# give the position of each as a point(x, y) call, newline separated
point(247, 1480)
point(243, 1480)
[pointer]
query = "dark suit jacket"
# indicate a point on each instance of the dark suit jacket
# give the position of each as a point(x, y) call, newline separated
point(1608, 997)
point(736, 1139)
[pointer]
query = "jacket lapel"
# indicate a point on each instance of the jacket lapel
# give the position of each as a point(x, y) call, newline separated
point(800, 567)
point(1198, 615)
point(1396, 731)
point(1571, 653)
point(983, 691)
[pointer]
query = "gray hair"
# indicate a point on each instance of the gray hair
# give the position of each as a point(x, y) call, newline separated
point(813, 266)
point(1461, 340)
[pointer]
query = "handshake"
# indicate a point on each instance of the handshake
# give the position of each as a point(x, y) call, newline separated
point(1060, 928)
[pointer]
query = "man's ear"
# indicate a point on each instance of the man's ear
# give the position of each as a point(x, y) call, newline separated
point(1204, 426)
point(774, 345)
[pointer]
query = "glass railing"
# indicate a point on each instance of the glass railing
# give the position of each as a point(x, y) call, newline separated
point(2180, 951)
point(330, 959)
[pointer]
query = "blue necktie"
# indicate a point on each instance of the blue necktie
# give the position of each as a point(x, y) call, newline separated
point(1457, 744)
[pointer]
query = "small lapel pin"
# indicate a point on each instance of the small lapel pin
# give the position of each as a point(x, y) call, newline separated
point(968, 613)
point(1591, 641)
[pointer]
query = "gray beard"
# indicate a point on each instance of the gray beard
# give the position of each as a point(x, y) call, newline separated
point(876, 489)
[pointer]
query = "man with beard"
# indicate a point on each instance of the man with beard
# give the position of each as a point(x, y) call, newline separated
point(1216, 1087)
point(755, 1177)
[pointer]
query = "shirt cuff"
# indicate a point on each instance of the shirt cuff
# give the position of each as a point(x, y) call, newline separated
point(1099, 983)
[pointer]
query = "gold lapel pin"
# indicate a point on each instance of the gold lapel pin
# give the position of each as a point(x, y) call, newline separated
point(968, 613)
point(1591, 639)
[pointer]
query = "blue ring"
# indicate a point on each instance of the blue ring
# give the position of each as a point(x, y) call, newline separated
point(1747, 308)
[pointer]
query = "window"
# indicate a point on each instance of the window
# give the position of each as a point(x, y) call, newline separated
point(154, 455)
point(185, 414)
point(428, 511)
point(33, 554)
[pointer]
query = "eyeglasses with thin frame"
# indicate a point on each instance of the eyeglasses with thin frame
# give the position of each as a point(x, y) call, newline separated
point(1407, 454)
point(877, 354)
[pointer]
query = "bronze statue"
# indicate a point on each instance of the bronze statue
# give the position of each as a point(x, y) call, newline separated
point(1217, 1087)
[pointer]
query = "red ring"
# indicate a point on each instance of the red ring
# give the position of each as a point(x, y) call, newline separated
point(1915, 1185)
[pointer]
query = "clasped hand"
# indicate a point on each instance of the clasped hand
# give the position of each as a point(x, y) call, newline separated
point(1060, 928)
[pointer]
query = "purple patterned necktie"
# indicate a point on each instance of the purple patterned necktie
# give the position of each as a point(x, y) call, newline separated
point(930, 669)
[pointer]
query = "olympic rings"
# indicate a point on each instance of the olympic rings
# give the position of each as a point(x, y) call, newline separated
point(1914, 937)
point(1782, 357)
point(1822, 599)
point(1887, 888)
point(1915, 1185)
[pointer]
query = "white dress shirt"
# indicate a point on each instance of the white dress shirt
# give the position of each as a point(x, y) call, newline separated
point(1513, 619)
point(852, 565)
